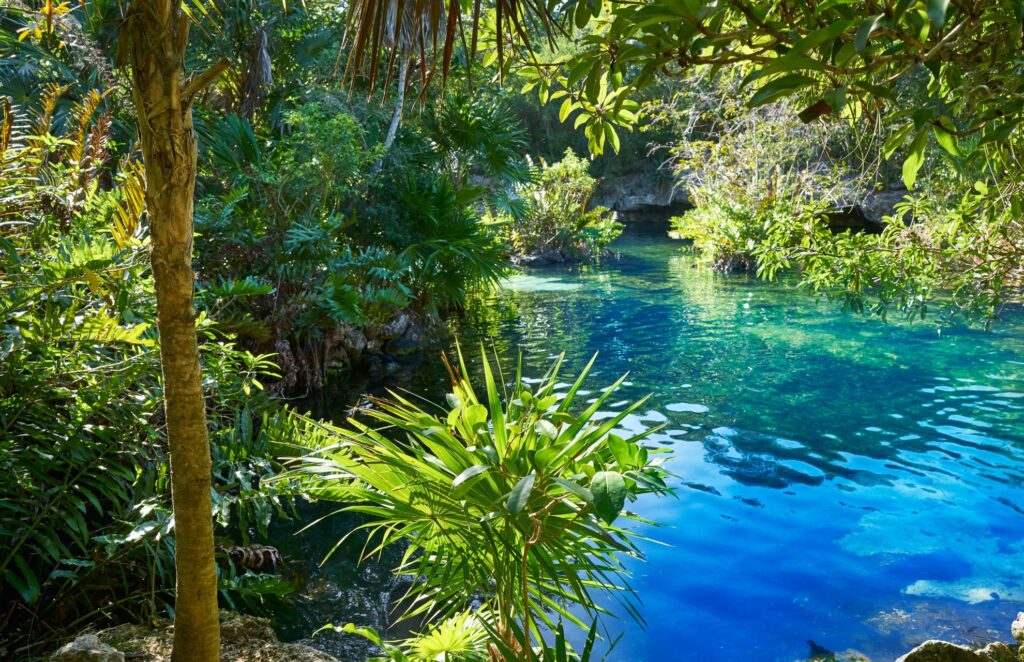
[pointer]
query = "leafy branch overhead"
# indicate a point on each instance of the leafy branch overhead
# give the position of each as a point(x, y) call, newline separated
point(844, 59)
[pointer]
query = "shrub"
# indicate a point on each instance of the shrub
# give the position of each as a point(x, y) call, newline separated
point(555, 216)
point(730, 220)
point(748, 169)
point(512, 498)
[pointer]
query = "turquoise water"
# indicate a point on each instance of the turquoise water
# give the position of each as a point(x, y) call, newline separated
point(843, 484)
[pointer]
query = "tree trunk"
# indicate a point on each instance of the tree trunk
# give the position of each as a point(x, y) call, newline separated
point(157, 31)
point(396, 118)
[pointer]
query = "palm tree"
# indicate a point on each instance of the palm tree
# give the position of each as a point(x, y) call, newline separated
point(153, 44)
point(154, 37)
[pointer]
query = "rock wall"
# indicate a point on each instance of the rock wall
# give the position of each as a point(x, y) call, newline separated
point(642, 193)
point(373, 349)
point(655, 195)
point(376, 347)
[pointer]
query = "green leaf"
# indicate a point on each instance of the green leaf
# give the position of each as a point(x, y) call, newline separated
point(565, 110)
point(864, 33)
point(582, 16)
point(822, 35)
point(592, 88)
point(546, 430)
point(30, 590)
point(877, 90)
point(779, 88)
point(937, 12)
point(497, 413)
point(947, 140)
point(612, 136)
point(575, 488)
point(894, 141)
point(474, 470)
point(620, 450)
point(914, 159)
point(578, 71)
point(475, 416)
point(609, 489)
point(520, 494)
point(545, 456)
point(789, 62)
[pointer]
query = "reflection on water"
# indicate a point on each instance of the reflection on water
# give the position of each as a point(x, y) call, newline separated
point(842, 483)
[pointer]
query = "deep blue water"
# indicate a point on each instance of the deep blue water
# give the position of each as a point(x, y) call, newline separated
point(842, 482)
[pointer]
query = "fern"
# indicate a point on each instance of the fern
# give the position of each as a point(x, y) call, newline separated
point(128, 213)
point(106, 330)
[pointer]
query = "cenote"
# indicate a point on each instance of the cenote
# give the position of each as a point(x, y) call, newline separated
point(842, 484)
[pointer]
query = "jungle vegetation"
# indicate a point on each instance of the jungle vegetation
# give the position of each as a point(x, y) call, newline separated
point(195, 195)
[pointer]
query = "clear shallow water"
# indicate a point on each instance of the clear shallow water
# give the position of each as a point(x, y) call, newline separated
point(841, 481)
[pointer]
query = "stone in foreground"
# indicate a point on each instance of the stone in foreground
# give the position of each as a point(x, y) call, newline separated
point(87, 648)
point(943, 651)
point(242, 639)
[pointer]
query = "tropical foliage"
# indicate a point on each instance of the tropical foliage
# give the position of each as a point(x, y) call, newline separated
point(748, 170)
point(85, 521)
point(319, 209)
point(313, 244)
point(555, 217)
point(511, 495)
point(936, 81)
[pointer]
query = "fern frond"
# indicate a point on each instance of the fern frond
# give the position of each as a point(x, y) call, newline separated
point(82, 114)
point(106, 330)
point(48, 103)
point(125, 222)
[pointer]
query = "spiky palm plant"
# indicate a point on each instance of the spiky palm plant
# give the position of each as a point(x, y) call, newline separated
point(511, 497)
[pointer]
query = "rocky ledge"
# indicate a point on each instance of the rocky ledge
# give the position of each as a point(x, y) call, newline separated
point(556, 256)
point(242, 639)
point(943, 651)
point(655, 195)
point(372, 349)
point(374, 346)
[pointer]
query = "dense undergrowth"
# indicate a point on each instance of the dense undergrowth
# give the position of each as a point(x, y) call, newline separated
point(765, 186)
point(557, 221)
point(308, 222)
point(85, 522)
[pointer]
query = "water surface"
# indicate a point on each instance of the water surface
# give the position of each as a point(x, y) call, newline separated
point(843, 484)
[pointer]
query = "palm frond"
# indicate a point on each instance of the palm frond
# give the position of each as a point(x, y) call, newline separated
point(381, 31)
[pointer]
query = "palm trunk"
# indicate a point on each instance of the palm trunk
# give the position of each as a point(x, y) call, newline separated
point(158, 32)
